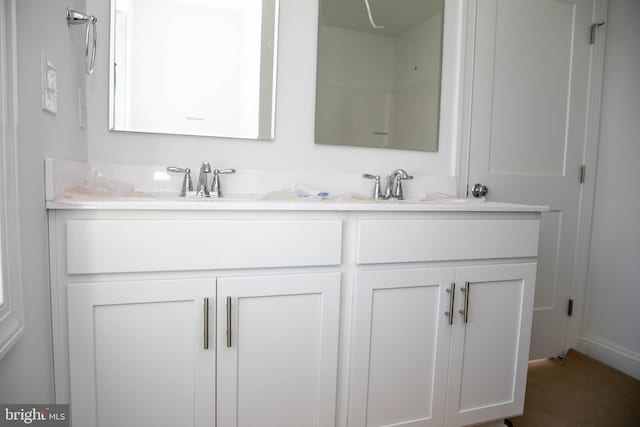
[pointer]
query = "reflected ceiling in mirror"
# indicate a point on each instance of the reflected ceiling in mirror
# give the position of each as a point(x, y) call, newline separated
point(194, 67)
point(378, 80)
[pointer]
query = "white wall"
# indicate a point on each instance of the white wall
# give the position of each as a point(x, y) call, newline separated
point(26, 373)
point(611, 329)
point(293, 147)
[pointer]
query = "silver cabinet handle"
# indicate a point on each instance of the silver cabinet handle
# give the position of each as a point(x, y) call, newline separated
point(228, 321)
point(451, 291)
point(206, 323)
point(465, 312)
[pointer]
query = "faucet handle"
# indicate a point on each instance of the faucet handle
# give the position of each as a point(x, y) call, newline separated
point(377, 190)
point(215, 185)
point(187, 183)
point(217, 171)
point(395, 180)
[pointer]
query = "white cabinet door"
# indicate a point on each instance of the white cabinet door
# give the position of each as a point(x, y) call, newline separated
point(137, 353)
point(489, 352)
point(278, 350)
point(400, 347)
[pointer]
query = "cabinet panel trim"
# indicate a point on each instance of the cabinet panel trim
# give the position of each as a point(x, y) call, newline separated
point(107, 246)
point(390, 241)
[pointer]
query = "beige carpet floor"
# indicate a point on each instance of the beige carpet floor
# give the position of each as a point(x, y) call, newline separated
point(578, 391)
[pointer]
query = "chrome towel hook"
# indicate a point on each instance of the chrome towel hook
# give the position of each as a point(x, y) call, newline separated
point(76, 18)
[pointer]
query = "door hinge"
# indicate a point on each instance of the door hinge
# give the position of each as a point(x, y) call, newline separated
point(594, 27)
point(570, 308)
point(583, 172)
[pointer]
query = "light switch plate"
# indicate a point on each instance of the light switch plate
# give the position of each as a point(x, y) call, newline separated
point(49, 86)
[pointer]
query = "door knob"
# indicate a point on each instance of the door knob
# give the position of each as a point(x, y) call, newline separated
point(479, 190)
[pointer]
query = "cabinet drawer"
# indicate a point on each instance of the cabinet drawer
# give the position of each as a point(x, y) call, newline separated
point(386, 241)
point(178, 245)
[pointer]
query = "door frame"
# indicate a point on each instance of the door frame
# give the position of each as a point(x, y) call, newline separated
point(589, 155)
point(12, 311)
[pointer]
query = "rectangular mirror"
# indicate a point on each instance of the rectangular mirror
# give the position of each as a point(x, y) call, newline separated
point(194, 67)
point(379, 72)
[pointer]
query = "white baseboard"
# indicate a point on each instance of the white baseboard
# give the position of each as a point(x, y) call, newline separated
point(610, 354)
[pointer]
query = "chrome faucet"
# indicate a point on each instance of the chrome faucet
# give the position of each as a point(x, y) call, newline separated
point(394, 184)
point(202, 190)
point(393, 188)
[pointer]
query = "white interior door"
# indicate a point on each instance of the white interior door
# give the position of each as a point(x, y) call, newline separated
point(528, 119)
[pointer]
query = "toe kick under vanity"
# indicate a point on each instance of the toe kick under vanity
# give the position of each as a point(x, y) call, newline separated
point(291, 314)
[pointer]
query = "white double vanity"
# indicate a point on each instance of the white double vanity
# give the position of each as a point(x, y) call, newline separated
point(291, 313)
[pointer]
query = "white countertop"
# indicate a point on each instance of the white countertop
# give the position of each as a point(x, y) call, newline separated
point(253, 203)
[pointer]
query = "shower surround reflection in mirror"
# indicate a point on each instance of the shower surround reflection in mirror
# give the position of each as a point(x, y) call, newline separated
point(194, 67)
point(379, 69)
